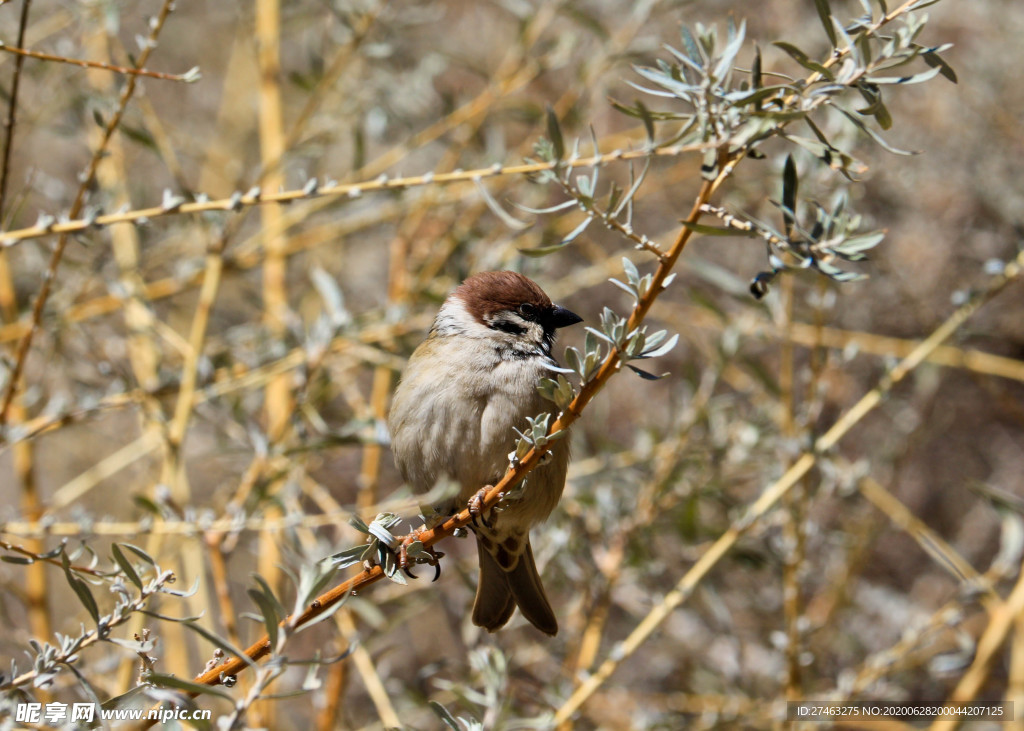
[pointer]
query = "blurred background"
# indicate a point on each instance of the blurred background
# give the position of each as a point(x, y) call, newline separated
point(211, 387)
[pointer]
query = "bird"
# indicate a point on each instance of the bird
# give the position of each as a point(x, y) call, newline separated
point(463, 391)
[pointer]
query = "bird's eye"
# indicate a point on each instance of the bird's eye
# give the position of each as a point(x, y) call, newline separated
point(528, 311)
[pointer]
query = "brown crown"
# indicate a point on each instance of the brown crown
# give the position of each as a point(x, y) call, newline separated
point(489, 292)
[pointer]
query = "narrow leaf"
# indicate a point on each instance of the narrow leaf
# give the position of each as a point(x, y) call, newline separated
point(790, 185)
point(935, 60)
point(140, 553)
point(444, 715)
point(555, 133)
point(544, 250)
point(644, 374)
point(513, 223)
point(825, 13)
point(270, 617)
point(218, 641)
point(125, 565)
point(706, 230)
point(81, 589)
point(803, 59)
point(912, 79)
point(632, 274)
point(658, 352)
point(170, 681)
point(874, 135)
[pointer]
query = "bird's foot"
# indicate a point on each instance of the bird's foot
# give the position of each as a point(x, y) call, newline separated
point(476, 508)
point(422, 554)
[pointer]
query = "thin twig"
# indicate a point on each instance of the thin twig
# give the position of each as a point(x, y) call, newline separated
point(71, 224)
point(57, 256)
point(188, 77)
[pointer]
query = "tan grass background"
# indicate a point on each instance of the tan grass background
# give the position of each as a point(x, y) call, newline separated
point(178, 361)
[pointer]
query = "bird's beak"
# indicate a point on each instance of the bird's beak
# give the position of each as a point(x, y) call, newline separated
point(561, 317)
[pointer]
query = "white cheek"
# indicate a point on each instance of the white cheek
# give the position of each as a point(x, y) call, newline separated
point(454, 319)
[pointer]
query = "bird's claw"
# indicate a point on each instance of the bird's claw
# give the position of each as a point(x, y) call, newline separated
point(476, 508)
point(406, 564)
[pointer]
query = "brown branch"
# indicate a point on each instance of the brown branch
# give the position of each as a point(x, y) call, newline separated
point(189, 76)
point(332, 190)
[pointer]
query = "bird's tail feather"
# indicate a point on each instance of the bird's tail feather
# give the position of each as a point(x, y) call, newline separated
point(498, 592)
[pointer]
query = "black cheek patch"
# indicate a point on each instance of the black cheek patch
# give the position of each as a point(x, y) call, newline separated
point(507, 326)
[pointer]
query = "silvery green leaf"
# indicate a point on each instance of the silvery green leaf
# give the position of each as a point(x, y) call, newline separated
point(379, 532)
point(635, 344)
point(601, 335)
point(911, 79)
point(313, 579)
point(655, 338)
point(652, 92)
point(830, 155)
point(625, 288)
point(932, 58)
point(692, 49)
point(556, 436)
point(836, 273)
point(565, 393)
point(391, 569)
point(666, 348)
point(170, 681)
point(608, 319)
point(644, 285)
point(730, 51)
point(857, 244)
point(81, 589)
point(844, 37)
point(706, 230)
point(555, 368)
point(356, 522)
point(803, 59)
point(544, 250)
point(874, 135)
point(586, 185)
point(550, 209)
point(825, 13)
point(133, 645)
point(546, 388)
point(635, 182)
point(504, 216)
point(572, 358)
point(574, 234)
point(591, 364)
point(664, 78)
point(632, 274)
point(270, 619)
point(216, 639)
point(555, 134)
point(279, 609)
point(125, 564)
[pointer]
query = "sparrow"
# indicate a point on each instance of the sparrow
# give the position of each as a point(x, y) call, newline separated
point(453, 415)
